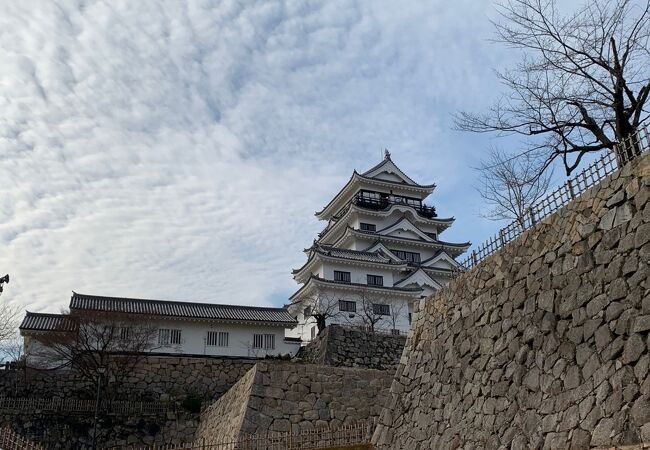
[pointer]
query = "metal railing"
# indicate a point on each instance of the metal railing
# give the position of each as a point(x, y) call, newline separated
point(317, 438)
point(19, 405)
point(10, 440)
point(366, 201)
point(609, 163)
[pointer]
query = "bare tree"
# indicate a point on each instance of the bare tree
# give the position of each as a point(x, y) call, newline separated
point(94, 343)
point(396, 311)
point(322, 307)
point(583, 83)
point(8, 316)
point(8, 321)
point(511, 185)
point(372, 314)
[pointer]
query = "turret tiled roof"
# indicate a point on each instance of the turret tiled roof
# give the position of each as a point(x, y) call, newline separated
point(46, 322)
point(81, 302)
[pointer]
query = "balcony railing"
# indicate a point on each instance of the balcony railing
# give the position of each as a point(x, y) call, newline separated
point(368, 202)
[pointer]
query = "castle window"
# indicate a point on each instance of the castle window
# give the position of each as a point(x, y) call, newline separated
point(168, 336)
point(347, 306)
point(264, 341)
point(217, 339)
point(343, 277)
point(368, 226)
point(381, 309)
point(407, 256)
point(375, 280)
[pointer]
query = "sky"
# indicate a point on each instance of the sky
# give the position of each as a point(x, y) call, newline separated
point(178, 150)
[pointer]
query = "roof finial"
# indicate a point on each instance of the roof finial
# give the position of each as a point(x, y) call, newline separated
point(386, 154)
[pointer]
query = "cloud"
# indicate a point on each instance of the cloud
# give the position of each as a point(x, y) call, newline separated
point(178, 150)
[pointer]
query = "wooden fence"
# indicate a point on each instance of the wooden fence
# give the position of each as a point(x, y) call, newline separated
point(318, 438)
point(18, 405)
point(9, 440)
point(610, 162)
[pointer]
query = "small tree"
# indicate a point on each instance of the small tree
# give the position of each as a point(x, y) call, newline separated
point(322, 307)
point(92, 343)
point(511, 185)
point(370, 313)
point(8, 316)
point(396, 310)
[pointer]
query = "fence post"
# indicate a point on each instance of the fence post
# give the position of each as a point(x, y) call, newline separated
point(532, 216)
point(569, 186)
point(474, 260)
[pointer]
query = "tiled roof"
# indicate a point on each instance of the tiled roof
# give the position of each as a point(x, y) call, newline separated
point(357, 255)
point(317, 279)
point(180, 309)
point(46, 322)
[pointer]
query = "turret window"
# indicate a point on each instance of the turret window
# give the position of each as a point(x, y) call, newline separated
point(407, 256)
point(347, 306)
point(380, 309)
point(343, 277)
point(375, 280)
point(368, 226)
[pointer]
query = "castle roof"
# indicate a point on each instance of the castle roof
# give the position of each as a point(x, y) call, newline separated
point(46, 322)
point(386, 174)
point(82, 302)
point(359, 287)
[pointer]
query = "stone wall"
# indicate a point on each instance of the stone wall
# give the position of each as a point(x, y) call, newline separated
point(543, 345)
point(155, 378)
point(345, 347)
point(66, 431)
point(222, 421)
point(284, 396)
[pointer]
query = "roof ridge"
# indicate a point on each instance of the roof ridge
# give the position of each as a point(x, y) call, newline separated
point(46, 314)
point(149, 300)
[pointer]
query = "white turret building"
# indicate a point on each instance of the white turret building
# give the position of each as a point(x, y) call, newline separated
point(379, 252)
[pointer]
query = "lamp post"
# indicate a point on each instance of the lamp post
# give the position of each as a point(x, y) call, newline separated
point(100, 372)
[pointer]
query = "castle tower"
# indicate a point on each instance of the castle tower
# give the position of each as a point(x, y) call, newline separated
point(379, 252)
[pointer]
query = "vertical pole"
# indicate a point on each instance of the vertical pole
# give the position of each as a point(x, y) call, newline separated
point(474, 257)
point(569, 186)
point(532, 216)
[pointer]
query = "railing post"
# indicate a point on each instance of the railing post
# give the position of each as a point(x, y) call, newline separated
point(474, 259)
point(569, 186)
point(501, 238)
point(532, 216)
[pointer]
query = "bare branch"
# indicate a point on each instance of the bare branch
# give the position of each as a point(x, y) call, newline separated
point(583, 82)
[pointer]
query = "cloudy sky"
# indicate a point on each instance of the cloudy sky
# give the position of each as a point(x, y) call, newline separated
point(178, 150)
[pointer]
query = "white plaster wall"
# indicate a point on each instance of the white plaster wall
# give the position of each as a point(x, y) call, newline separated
point(400, 309)
point(193, 341)
point(358, 273)
point(240, 339)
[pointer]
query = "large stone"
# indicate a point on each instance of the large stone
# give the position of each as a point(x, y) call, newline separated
point(634, 348)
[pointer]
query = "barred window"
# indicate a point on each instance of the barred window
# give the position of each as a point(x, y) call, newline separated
point(381, 309)
point(347, 306)
point(368, 226)
point(375, 280)
point(264, 341)
point(258, 340)
point(124, 333)
point(342, 276)
point(269, 341)
point(168, 336)
point(217, 339)
point(407, 256)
